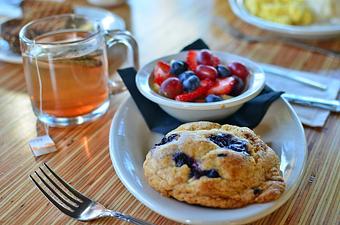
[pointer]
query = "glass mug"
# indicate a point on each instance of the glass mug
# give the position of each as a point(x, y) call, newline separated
point(66, 68)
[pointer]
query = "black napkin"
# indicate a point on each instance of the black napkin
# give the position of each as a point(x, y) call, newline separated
point(249, 115)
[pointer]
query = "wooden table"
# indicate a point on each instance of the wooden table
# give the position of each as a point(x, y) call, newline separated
point(160, 27)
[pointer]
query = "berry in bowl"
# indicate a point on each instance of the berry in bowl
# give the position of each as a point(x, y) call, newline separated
point(200, 85)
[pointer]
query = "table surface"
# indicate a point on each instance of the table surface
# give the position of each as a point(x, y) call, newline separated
point(160, 27)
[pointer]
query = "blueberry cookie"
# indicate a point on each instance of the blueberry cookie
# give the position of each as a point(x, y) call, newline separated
point(214, 165)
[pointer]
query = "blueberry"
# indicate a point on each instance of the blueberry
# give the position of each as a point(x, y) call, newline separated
point(213, 98)
point(223, 71)
point(230, 142)
point(222, 155)
point(211, 173)
point(222, 140)
point(196, 173)
point(195, 170)
point(191, 83)
point(238, 86)
point(257, 191)
point(168, 139)
point(237, 145)
point(177, 67)
point(184, 76)
point(181, 159)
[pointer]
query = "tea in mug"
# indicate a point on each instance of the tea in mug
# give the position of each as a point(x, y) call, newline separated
point(69, 82)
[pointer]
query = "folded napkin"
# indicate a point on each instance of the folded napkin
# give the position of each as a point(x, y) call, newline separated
point(249, 115)
point(308, 115)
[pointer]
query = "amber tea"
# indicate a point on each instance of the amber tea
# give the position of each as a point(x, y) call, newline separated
point(72, 82)
point(66, 69)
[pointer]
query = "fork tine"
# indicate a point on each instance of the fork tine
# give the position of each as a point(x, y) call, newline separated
point(57, 186)
point(54, 202)
point(67, 186)
point(54, 192)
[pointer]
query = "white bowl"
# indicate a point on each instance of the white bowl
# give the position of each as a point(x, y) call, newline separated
point(190, 111)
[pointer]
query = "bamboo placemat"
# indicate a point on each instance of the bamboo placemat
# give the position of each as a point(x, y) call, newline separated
point(160, 27)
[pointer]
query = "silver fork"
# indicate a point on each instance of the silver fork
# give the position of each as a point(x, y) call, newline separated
point(77, 206)
point(268, 38)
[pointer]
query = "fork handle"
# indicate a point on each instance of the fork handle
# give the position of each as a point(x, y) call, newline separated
point(127, 218)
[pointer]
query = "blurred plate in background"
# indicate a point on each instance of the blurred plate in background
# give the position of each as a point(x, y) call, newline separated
point(109, 21)
point(313, 31)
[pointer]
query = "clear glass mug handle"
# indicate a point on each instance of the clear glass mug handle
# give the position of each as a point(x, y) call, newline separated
point(113, 37)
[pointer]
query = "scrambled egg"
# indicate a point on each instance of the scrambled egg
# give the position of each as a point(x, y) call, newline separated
point(293, 12)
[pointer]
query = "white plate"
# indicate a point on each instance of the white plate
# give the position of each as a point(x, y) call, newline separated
point(313, 31)
point(130, 139)
point(108, 20)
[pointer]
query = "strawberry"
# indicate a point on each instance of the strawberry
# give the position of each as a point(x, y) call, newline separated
point(161, 72)
point(191, 60)
point(223, 86)
point(200, 100)
point(207, 83)
point(191, 96)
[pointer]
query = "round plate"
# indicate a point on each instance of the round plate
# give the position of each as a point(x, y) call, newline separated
point(130, 140)
point(108, 20)
point(313, 31)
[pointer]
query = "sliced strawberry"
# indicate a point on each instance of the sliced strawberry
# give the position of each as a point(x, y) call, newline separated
point(200, 100)
point(207, 83)
point(223, 86)
point(215, 61)
point(191, 96)
point(161, 72)
point(191, 60)
point(164, 66)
